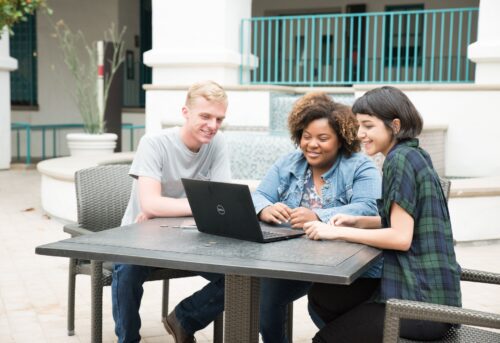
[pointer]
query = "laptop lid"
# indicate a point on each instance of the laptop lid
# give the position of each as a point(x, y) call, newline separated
point(226, 209)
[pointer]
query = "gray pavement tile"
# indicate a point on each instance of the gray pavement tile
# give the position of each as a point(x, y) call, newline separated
point(33, 288)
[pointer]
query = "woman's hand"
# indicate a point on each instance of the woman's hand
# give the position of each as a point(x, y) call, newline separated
point(276, 214)
point(343, 220)
point(317, 230)
point(301, 215)
point(141, 217)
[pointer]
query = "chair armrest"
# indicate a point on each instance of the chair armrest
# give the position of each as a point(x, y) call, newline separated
point(480, 276)
point(75, 229)
point(397, 309)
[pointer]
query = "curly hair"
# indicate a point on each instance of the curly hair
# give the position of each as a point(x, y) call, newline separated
point(318, 105)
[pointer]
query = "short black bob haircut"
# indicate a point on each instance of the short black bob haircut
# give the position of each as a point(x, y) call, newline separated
point(388, 103)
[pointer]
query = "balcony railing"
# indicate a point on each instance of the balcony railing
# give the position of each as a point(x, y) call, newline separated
point(424, 46)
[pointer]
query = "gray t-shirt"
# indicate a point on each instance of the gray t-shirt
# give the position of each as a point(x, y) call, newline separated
point(164, 157)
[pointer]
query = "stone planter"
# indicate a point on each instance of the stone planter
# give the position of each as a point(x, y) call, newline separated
point(86, 144)
point(58, 194)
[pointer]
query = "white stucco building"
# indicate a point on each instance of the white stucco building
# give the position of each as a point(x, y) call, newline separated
point(444, 54)
point(232, 41)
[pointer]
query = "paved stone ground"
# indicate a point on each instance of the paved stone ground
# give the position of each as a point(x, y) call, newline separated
point(33, 288)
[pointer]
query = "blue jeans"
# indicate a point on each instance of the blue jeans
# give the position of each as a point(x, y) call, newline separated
point(202, 307)
point(194, 313)
point(275, 295)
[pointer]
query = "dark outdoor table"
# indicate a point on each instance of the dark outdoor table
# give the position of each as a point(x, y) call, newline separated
point(159, 243)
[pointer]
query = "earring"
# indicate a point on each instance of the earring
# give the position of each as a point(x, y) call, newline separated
point(395, 129)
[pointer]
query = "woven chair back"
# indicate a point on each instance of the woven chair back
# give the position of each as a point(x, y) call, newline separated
point(445, 185)
point(102, 195)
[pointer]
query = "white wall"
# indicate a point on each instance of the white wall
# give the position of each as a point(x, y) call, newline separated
point(56, 104)
point(196, 40)
point(246, 108)
point(469, 112)
point(486, 50)
point(475, 218)
point(472, 138)
point(7, 64)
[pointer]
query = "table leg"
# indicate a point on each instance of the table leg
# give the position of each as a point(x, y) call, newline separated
point(219, 329)
point(241, 320)
point(96, 302)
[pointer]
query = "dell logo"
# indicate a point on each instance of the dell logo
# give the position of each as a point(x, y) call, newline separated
point(221, 210)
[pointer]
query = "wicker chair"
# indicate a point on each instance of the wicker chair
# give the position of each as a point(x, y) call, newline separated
point(397, 309)
point(102, 195)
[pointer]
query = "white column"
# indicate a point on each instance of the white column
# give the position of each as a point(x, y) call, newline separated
point(485, 52)
point(193, 40)
point(7, 64)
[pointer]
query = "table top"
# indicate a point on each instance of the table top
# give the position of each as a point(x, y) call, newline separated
point(161, 243)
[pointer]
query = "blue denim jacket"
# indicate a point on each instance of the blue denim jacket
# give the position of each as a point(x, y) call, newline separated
point(351, 186)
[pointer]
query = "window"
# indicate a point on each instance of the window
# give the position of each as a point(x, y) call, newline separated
point(23, 81)
point(404, 27)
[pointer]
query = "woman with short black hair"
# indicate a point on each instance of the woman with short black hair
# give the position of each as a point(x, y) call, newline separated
point(413, 228)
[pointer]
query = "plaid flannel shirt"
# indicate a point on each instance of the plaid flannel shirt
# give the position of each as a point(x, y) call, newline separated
point(428, 271)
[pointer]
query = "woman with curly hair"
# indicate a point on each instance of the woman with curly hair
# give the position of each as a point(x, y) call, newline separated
point(326, 176)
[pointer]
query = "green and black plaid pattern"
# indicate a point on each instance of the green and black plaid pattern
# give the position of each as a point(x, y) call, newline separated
point(428, 271)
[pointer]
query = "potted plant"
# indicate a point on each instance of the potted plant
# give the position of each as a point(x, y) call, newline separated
point(85, 63)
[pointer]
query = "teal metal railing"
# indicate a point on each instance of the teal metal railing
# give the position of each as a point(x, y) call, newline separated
point(28, 129)
point(418, 46)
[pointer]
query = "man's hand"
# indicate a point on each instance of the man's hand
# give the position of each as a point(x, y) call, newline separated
point(301, 215)
point(317, 230)
point(276, 214)
point(141, 217)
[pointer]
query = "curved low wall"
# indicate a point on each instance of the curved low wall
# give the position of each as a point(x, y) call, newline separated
point(473, 204)
point(58, 181)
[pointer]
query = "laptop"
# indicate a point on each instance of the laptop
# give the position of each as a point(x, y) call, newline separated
point(226, 209)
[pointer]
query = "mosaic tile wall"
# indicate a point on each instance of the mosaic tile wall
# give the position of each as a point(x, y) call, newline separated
point(253, 153)
point(281, 105)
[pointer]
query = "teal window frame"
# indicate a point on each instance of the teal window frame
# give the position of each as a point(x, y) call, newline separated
point(24, 80)
point(402, 53)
